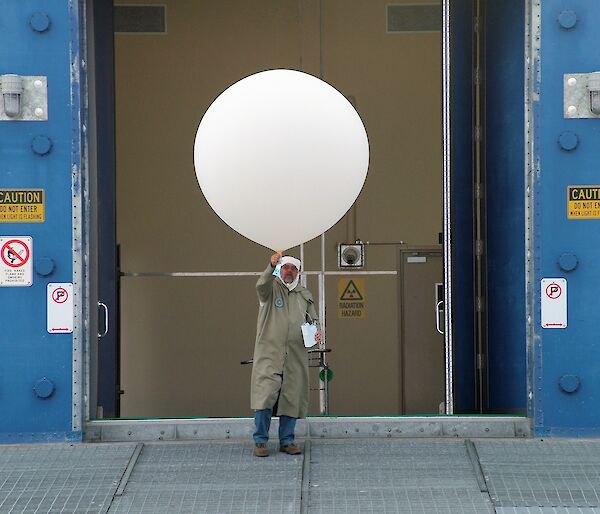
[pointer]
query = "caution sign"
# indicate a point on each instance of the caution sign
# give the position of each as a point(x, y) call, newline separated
point(15, 261)
point(583, 202)
point(351, 298)
point(22, 206)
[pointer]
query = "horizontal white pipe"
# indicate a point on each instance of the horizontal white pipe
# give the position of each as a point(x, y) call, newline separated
point(240, 273)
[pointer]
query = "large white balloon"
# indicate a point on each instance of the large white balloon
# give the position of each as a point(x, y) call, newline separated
point(281, 156)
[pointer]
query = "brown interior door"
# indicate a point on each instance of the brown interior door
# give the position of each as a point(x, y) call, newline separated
point(422, 364)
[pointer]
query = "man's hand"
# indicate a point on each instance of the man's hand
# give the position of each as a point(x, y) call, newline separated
point(275, 258)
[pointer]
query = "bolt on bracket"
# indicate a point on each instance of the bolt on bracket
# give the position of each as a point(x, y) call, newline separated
point(581, 95)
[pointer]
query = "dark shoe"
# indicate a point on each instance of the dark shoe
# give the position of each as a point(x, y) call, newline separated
point(260, 450)
point(290, 449)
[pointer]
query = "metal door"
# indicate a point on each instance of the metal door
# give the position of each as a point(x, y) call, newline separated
point(458, 223)
point(104, 354)
point(422, 354)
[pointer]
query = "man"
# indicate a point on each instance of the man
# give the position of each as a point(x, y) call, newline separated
point(280, 369)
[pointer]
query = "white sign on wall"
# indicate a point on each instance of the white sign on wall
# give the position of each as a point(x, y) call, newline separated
point(16, 257)
point(554, 303)
point(60, 308)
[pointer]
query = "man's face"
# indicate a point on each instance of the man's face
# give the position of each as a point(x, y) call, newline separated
point(289, 272)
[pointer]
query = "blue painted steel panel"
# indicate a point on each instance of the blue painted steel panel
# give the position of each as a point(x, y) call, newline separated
point(28, 352)
point(461, 115)
point(576, 349)
point(505, 207)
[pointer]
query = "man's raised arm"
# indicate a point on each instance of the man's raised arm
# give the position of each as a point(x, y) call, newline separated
point(264, 286)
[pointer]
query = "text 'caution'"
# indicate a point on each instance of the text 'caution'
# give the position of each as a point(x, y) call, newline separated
point(22, 206)
point(583, 202)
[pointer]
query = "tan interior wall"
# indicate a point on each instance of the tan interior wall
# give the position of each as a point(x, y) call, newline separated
point(183, 338)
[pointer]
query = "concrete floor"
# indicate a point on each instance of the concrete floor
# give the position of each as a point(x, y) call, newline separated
point(374, 475)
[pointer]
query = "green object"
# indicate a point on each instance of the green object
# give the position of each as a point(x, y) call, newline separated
point(329, 375)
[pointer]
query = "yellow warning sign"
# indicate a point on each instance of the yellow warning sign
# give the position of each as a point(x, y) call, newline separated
point(22, 206)
point(351, 298)
point(583, 202)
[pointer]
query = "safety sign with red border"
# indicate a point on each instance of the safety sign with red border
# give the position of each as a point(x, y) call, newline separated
point(60, 308)
point(16, 257)
point(554, 302)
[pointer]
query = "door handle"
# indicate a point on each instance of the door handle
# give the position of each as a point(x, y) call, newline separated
point(103, 305)
point(437, 316)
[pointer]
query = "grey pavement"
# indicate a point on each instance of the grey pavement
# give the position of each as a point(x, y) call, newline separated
point(370, 475)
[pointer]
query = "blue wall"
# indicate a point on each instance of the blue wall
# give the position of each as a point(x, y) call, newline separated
point(505, 205)
point(576, 349)
point(462, 231)
point(28, 352)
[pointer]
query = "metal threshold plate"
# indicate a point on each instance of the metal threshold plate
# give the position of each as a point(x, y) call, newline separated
point(318, 427)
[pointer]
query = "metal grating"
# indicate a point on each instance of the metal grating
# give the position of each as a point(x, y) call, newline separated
point(542, 474)
point(393, 476)
point(414, 18)
point(546, 510)
point(207, 477)
point(60, 478)
point(141, 19)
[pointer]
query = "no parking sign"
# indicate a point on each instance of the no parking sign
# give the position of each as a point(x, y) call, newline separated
point(60, 308)
point(15, 261)
point(554, 302)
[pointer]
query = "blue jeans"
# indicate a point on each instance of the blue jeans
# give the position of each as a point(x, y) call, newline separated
point(262, 423)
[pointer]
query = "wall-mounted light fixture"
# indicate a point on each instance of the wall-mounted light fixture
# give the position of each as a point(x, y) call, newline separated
point(351, 255)
point(11, 87)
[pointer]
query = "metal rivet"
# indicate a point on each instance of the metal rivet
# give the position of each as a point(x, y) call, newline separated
point(39, 112)
point(37, 84)
point(44, 388)
point(39, 22)
point(568, 140)
point(44, 266)
point(572, 110)
point(41, 145)
point(567, 19)
point(569, 383)
point(568, 261)
point(572, 81)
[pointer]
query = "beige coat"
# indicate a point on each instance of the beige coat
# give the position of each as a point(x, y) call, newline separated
point(280, 369)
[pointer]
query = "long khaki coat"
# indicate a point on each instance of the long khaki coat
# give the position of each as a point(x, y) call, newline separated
point(280, 369)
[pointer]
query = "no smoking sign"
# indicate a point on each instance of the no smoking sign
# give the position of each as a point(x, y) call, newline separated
point(16, 261)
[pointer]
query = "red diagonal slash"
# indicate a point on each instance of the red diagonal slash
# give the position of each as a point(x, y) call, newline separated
point(14, 252)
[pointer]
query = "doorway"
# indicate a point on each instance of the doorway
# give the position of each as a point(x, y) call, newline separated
point(421, 338)
point(182, 333)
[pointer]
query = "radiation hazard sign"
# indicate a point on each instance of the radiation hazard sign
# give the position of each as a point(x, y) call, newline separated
point(351, 298)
